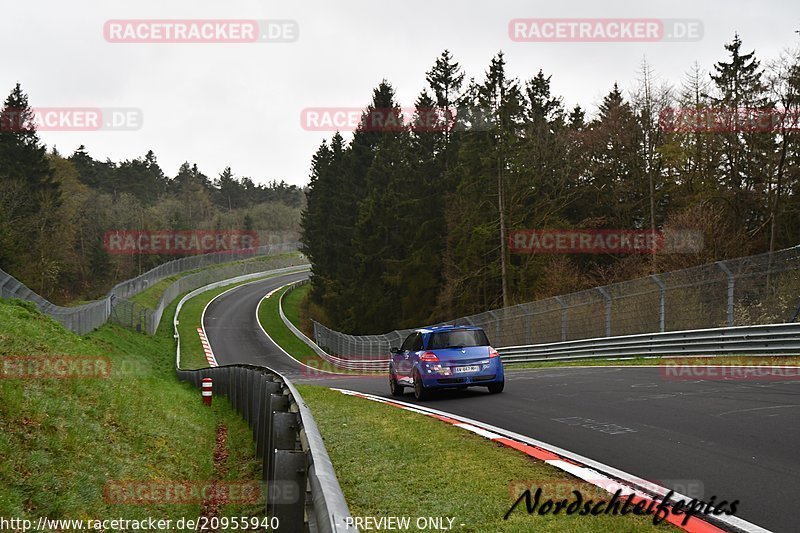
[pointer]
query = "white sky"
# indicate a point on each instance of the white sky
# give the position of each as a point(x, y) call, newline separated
point(240, 104)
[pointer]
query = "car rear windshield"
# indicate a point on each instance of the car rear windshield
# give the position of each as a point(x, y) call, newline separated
point(458, 338)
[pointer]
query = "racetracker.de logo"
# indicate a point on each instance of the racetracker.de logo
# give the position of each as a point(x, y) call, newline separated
point(182, 492)
point(557, 241)
point(201, 31)
point(333, 119)
point(747, 371)
point(179, 242)
point(71, 119)
point(605, 30)
point(728, 120)
point(55, 367)
point(355, 367)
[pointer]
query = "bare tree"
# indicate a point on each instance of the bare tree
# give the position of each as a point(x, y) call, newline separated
point(783, 83)
point(649, 101)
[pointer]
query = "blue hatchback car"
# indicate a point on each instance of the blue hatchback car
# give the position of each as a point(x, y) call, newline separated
point(445, 357)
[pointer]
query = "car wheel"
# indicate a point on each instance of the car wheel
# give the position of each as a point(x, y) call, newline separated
point(394, 386)
point(420, 392)
point(495, 388)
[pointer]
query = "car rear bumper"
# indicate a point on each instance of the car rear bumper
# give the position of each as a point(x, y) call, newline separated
point(493, 373)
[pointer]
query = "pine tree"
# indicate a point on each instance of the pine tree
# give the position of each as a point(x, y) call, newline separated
point(23, 157)
point(476, 271)
point(445, 79)
point(740, 93)
point(228, 191)
point(614, 194)
point(416, 276)
point(26, 178)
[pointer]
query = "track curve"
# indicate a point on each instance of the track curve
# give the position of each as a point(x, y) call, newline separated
point(731, 439)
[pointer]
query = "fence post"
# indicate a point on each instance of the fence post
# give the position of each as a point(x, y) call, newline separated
point(607, 298)
point(495, 341)
point(563, 317)
point(731, 285)
point(529, 323)
point(662, 291)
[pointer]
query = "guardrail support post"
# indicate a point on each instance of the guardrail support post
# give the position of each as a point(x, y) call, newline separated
point(286, 474)
point(731, 285)
point(563, 318)
point(286, 493)
point(662, 299)
point(278, 403)
point(607, 298)
point(265, 418)
point(255, 385)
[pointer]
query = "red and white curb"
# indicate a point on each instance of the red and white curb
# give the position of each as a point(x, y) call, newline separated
point(605, 477)
point(212, 361)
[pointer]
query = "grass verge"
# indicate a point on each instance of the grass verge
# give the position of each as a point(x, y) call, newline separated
point(292, 302)
point(394, 463)
point(63, 440)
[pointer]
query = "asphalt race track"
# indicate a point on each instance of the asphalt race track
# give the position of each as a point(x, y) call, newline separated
point(734, 439)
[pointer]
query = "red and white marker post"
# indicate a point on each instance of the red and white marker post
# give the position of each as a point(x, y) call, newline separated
point(207, 391)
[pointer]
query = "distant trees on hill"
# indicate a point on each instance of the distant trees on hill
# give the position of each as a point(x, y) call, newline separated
point(54, 210)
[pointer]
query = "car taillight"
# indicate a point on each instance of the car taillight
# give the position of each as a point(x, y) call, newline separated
point(429, 357)
point(493, 353)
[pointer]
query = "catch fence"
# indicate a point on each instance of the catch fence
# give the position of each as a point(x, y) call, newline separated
point(754, 290)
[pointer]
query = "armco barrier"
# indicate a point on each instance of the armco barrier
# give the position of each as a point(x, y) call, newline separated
point(301, 486)
point(362, 365)
point(773, 339)
point(302, 490)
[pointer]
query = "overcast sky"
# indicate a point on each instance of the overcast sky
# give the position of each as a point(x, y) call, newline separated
point(240, 104)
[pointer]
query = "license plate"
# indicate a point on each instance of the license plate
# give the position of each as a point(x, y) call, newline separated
point(464, 369)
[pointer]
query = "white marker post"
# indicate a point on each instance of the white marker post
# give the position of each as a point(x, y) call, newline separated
point(207, 391)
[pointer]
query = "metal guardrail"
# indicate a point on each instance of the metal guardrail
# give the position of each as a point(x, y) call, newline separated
point(363, 365)
point(769, 339)
point(303, 492)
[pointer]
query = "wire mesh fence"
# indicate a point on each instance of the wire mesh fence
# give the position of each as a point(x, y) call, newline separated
point(117, 307)
point(755, 290)
point(80, 319)
point(205, 277)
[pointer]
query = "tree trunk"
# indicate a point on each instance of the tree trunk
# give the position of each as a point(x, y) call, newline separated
point(501, 209)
